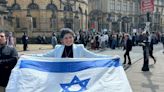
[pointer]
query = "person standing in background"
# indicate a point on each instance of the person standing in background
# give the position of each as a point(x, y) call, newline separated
point(25, 41)
point(54, 40)
point(128, 48)
point(10, 40)
point(151, 47)
point(162, 40)
point(8, 59)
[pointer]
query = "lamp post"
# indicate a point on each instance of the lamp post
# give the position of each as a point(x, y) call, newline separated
point(68, 4)
point(146, 45)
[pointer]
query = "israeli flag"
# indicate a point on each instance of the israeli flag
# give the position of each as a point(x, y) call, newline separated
point(41, 74)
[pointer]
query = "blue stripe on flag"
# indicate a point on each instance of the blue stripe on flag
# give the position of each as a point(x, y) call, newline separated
point(62, 67)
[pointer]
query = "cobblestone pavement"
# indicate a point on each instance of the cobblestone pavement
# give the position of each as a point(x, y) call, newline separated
point(135, 54)
point(152, 81)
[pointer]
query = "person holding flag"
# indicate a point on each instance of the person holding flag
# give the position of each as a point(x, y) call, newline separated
point(70, 50)
point(68, 67)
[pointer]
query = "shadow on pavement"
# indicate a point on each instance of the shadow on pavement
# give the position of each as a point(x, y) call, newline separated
point(149, 83)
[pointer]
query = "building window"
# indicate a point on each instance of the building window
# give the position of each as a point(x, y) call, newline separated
point(33, 6)
point(51, 7)
point(131, 7)
point(124, 7)
point(17, 23)
point(34, 23)
point(16, 6)
point(112, 5)
point(52, 22)
point(135, 8)
point(119, 5)
point(68, 8)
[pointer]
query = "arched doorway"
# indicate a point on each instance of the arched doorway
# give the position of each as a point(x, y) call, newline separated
point(95, 18)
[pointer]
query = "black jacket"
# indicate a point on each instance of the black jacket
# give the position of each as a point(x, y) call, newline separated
point(25, 39)
point(8, 59)
point(128, 45)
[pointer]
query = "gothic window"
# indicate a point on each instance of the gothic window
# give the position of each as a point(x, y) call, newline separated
point(17, 23)
point(68, 8)
point(51, 7)
point(16, 6)
point(33, 6)
point(34, 23)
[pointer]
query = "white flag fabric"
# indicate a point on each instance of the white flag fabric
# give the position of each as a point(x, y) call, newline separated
point(41, 74)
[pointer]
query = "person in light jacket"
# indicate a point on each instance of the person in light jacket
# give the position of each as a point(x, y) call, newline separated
point(70, 50)
point(54, 40)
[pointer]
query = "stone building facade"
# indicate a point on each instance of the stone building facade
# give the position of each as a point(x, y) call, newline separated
point(42, 17)
point(114, 15)
point(5, 19)
point(158, 16)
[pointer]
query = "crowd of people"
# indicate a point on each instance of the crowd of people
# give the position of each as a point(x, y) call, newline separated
point(113, 40)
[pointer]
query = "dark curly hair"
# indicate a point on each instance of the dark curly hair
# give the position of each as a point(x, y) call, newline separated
point(65, 31)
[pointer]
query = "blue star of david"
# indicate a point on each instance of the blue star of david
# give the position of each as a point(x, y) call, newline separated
point(75, 81)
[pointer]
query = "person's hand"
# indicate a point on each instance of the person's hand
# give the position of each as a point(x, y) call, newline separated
point(141, 44)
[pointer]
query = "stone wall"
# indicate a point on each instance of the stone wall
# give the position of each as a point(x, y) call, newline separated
point(43, 17)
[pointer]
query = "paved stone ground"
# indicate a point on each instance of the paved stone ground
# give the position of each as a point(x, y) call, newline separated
point(34, 47)
point(152, 81)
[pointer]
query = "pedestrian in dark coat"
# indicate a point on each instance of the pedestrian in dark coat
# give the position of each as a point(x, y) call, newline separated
point(162, 40)
point(8, 59)
point(151, 50)
point(128, 48)
point(25, 41)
